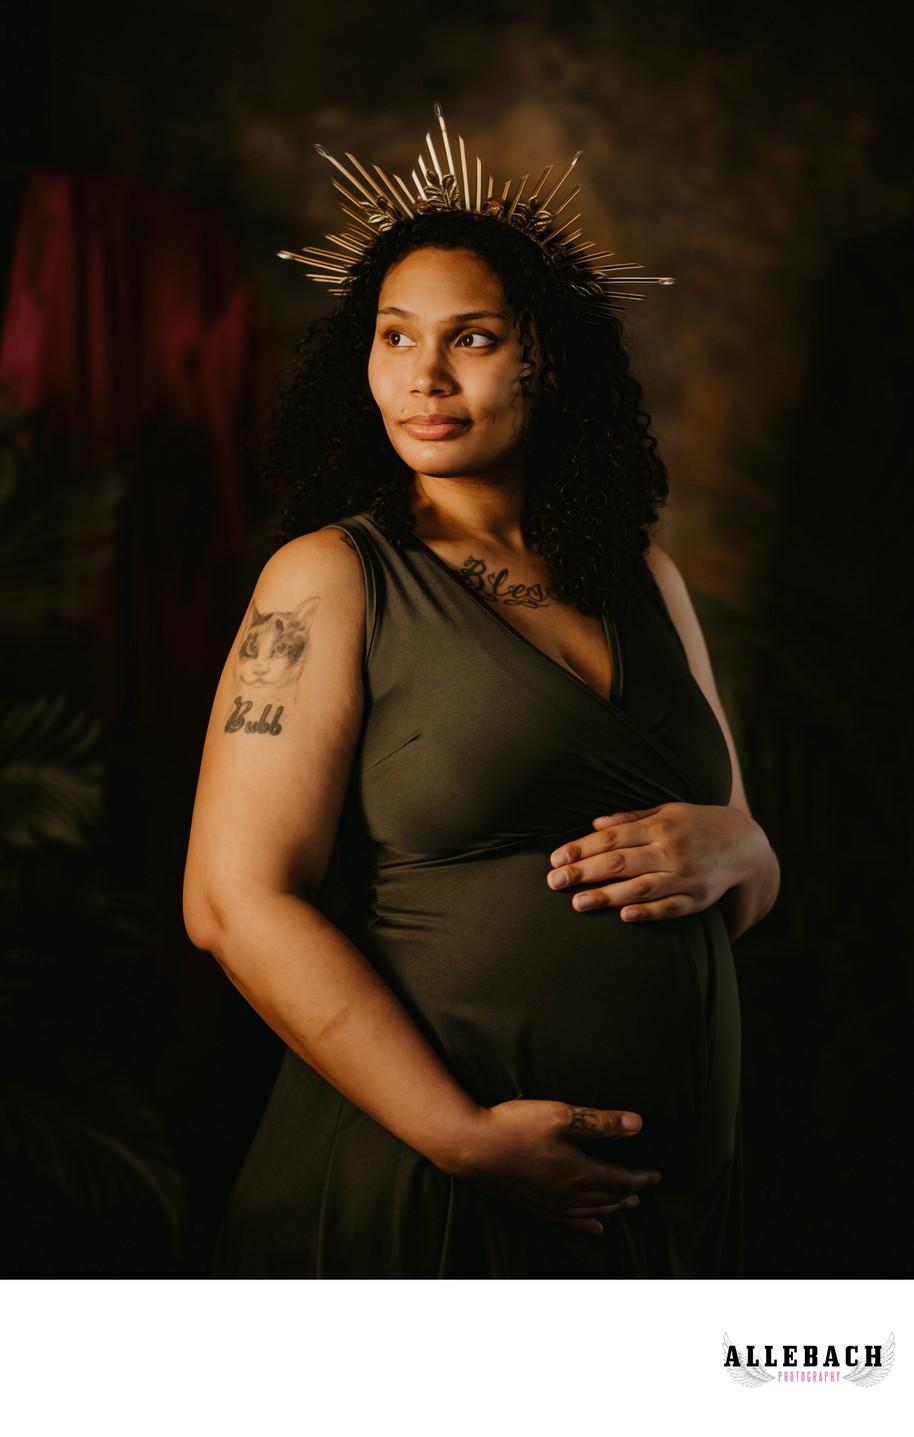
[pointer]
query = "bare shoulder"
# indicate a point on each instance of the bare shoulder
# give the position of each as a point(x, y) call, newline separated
point(675, 595)
point(326, 562)
point(667, 575)
point(679, 605)
point(681, 610)
point(307, 612)
point(283, 731)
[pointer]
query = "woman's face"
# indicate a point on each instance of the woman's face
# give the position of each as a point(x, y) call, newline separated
point(445, 367)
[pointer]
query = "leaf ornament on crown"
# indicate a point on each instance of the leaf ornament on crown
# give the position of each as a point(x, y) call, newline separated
point(375, 203)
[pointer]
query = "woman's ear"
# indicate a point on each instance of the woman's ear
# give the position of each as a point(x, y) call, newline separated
point(547, 380)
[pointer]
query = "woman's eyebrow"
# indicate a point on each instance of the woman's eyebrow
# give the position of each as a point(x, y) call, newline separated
point(454, 318)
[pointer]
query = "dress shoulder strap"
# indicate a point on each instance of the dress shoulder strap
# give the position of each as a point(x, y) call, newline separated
point(358, 532)
point(654, 602)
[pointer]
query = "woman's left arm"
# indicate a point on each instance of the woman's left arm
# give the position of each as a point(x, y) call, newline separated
point(677, 858)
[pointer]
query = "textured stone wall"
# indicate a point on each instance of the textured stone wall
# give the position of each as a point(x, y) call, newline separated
point(740, 147)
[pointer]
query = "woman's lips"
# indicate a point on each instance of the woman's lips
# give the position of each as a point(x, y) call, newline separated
point(435, 426)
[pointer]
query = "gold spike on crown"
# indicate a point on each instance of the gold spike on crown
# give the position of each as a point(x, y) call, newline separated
point(374, 208)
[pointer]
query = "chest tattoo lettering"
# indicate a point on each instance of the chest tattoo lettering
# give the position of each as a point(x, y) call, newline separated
point(495, 586)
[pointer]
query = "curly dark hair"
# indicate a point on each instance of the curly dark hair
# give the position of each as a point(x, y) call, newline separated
point(595, 479)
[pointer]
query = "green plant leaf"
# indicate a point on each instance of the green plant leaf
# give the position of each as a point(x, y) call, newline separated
point(99, 1143)
point(50, 781)
point(56, 534)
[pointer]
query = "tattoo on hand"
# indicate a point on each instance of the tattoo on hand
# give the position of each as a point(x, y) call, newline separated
point(238, 721)
point(495, 587)
point(274, 646)
point(584, 1119)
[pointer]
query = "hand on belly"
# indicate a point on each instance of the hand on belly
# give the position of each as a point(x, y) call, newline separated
point(525, 1151)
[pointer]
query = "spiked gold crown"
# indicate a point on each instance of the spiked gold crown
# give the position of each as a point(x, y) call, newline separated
point(374, 208)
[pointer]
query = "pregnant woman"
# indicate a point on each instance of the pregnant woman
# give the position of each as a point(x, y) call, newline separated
point(515, 1052)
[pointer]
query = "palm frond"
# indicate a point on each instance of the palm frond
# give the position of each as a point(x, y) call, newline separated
point(50, 781)
point(56, 530)
point(99, 1143)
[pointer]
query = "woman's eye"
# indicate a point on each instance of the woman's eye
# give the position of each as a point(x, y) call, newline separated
point(475, 339)
point(398, 340)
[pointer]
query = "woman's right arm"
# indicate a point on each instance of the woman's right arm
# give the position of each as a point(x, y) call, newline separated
point(276, 763)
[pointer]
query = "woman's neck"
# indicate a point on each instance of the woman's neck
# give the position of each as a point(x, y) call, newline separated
point(474, 508)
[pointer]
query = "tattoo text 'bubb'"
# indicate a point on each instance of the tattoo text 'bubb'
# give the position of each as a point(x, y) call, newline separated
point(238, 721)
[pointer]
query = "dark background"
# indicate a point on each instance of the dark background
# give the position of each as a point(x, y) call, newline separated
point(155, 158)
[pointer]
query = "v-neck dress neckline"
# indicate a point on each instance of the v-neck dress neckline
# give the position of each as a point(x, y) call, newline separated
point(610, 631)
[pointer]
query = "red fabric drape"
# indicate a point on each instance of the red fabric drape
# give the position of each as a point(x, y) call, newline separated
point(131, 316)
point(130, 313)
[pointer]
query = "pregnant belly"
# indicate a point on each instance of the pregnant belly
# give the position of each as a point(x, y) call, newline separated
point(525, 997)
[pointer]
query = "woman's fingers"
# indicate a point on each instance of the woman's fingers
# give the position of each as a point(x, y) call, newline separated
point(588, 1219)
point(600, 1195)
point(600, 1209)
point(597, 868)
point(658, 863)
point(615, 865)
point(676, 906)
point(590, 1225)
point(621, 830)
point(608, 1186)
point(638, 901)
point(601, 1122)
point(664, 891)
point(677, 852)
point(593, 1204)
point(615, 820)
point(538, 1154)
point(653, 864)
point(612, 1185)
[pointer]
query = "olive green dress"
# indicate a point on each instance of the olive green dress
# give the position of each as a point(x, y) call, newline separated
point(479, 755)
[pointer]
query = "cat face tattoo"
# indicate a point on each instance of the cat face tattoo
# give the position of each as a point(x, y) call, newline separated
point(274, 646)
point(270, 657)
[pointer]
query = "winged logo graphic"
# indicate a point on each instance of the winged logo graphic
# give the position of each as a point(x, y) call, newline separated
point(746, 1376)
point(869, 1376)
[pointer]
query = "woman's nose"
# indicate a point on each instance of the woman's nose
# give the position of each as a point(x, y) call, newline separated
point(432, 374)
